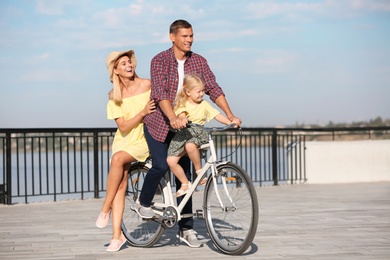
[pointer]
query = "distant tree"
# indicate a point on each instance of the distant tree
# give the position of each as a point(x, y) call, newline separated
point(377, 121)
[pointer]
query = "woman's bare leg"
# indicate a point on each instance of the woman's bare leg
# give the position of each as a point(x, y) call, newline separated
point(115, 177)
point(118, 205)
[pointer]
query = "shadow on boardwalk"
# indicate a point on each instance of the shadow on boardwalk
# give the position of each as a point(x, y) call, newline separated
point(338, 221)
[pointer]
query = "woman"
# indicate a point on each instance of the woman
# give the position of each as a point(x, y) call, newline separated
point(129, 102)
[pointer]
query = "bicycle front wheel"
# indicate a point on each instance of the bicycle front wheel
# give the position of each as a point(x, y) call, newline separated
point(231, 209)
point(138, 232)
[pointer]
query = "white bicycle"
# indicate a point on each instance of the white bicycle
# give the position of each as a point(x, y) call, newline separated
point(230, 207)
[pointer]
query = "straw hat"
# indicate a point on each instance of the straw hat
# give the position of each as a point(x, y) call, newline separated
point(114, 56)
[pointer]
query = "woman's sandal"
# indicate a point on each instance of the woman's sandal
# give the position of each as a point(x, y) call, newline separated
point(181, 192)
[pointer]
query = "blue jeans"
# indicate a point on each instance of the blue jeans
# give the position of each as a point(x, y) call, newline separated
point(159, 152)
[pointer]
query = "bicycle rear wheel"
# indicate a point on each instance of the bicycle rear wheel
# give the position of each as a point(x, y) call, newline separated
point(232, 225)
point(140, 233)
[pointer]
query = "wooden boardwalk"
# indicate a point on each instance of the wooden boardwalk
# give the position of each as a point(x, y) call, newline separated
point(307, 221)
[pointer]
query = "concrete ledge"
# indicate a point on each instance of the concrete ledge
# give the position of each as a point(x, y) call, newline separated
point(349, 161)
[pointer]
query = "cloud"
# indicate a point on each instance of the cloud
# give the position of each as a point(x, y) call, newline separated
point(376, 5)
point(312, 10)
point(267, 9)
point(50, 7)
point(51, 75)
point(42, 56)
point(274, 61)
point(152, 12)
point(256, 62)
point(120, 17)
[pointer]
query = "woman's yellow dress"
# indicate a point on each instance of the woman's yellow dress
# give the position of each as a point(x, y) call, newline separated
point(133, 142)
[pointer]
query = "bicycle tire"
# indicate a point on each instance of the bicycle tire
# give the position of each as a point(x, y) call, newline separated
point(139, 232)
point(233, 228)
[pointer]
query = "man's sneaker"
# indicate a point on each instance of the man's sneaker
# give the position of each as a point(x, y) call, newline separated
point(144, 212)
point(189, 237)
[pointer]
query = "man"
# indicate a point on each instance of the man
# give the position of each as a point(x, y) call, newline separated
point(167, 72)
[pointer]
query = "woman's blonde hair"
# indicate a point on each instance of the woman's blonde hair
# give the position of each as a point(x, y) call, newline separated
point(190, 81)
point(112, 63)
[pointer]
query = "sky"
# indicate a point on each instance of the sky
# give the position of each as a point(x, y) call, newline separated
point(280, 63)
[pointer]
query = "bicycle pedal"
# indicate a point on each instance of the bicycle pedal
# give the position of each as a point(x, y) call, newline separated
point(199, 213)
point(156, 218)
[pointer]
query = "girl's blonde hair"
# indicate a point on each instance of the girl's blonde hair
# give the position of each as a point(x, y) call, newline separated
point(190, 81)
point(117, 84)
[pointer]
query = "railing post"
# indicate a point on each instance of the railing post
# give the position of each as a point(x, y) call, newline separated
point(8, 179)
point(275, 157)
point(96, 164)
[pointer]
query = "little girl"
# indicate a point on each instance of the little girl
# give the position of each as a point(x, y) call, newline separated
point(189, 104)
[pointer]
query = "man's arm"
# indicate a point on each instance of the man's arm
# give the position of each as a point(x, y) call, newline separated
point(223, 104)
point(215, 91)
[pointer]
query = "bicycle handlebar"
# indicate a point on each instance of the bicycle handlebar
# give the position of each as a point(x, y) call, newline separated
point(212, 129)
point(216, 128)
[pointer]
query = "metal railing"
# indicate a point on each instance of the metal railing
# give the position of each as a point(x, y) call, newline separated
point(69, 163)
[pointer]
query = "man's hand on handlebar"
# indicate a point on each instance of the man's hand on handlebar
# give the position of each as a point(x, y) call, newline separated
point(237, 121)
point(178, 122)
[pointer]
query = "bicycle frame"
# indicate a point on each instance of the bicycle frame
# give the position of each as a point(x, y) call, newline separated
point(211, 163)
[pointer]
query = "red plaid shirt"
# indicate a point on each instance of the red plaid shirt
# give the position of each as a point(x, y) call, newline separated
point(165, 78)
